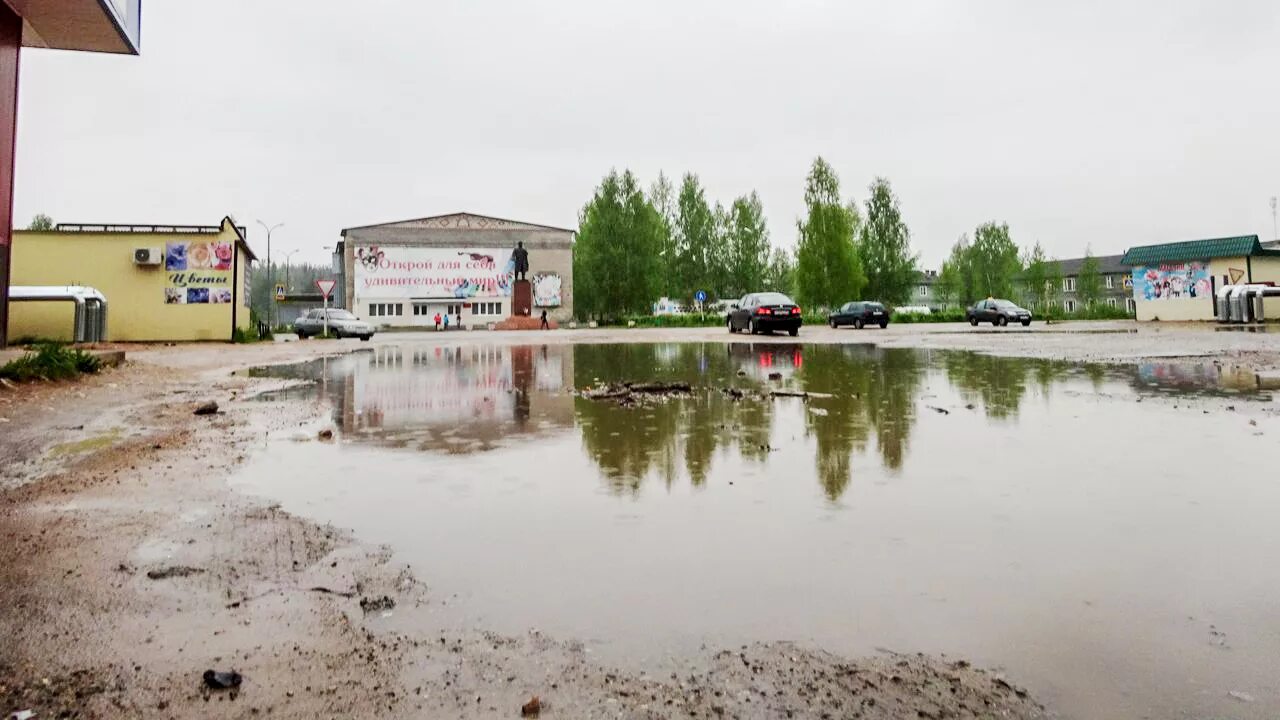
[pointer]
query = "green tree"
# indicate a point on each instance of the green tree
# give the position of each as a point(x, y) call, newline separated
point(1089, 280)
point(748, 249)
point(41, 222)
point(828, 271)
point(1035, 279)
point(956, 279)
point(1053, 285)
point(780, 275)
point(884, 247)
point(616, 266)
point(993, 261)
point(662, 197)
point(694, 239)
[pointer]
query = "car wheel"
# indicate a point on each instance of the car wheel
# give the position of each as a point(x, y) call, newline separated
point(752, 325)
point(365, 338)
point(1002, 321)
point(794, 332)
point(973, 321)
point(832, 323)
point(729, 323)
point(301, 335)
point(857, 324)
point(884, 324)
point(1026, 323)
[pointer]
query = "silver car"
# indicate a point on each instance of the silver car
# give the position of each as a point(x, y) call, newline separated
point(341, 323)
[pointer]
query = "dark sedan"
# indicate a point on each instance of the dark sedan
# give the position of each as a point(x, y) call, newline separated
point(860, 314)
point(765, 312)
point(998, 312)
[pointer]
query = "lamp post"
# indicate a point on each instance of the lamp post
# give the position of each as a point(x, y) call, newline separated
point(287, 257)
point(271, 272)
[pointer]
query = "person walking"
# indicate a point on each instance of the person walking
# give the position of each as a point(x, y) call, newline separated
point(437, 321)
point(446, 322)
point(459, 324)
point(545, 324)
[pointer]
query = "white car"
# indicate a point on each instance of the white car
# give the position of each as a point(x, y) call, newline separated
point(341, 323)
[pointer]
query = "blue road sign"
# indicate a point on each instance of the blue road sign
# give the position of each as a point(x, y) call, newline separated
point(700, 296)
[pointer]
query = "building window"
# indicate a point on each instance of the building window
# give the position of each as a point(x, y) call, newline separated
point(1069, 305)
point(1069, 284)
point(385, 309)
point(1111, 301)
point(923, 291)
point(421, 309)
point(1110, 284)
point(453, 309)
point(486, 308)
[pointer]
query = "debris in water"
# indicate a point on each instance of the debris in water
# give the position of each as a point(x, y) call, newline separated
point(326, 434)
point(1241, 696)
point(775, 376)
point(22, 715)
point(173, 571)
point(940, 411)
point(531, 708)
point(208, 408)
point(818, 411)
point(218, 680)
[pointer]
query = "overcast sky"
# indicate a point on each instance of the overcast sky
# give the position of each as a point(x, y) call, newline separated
point(1107, 124)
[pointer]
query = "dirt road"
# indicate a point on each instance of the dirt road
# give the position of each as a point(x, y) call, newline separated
point(128, 567)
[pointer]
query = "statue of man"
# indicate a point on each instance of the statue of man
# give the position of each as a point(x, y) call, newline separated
point(520, 257)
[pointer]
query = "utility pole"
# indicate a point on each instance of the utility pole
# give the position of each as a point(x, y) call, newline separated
point(271, 274)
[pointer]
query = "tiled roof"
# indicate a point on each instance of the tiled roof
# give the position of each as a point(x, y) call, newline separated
point(1239, 246)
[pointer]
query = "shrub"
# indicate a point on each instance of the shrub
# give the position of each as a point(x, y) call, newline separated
point(50, 361)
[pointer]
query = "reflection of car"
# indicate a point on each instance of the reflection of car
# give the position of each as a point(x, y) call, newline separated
point(760, 360)
point(341, 323)
point(765, 312)
point(859, 314)
point(997, 312)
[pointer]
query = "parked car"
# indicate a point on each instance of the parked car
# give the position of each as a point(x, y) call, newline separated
point(997, 312)
point(341, 323)
point(859, 314)
point(765, 312)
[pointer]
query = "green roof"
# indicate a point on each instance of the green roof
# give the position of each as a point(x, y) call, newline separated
point(1240, 246)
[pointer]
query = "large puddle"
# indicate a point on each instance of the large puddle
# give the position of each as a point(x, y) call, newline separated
point(1107, 534)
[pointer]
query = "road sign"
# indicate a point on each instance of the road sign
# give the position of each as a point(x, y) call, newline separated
point(279, 293)
point(326, 287)
point(700, 296)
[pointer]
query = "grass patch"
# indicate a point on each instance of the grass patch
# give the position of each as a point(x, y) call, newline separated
point(50, 361)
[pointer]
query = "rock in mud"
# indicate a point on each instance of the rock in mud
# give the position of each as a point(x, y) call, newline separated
point(325, 434)
point(531, 708)
point(208, 408)
point(378, 604)
point(173, 571)
point(220, 680)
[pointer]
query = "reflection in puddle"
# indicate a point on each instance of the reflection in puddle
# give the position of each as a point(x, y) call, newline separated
point(1024, 513)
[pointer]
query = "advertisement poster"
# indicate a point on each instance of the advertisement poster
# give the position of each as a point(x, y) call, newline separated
point(199, 272)
point(402, 272)
point(1172, 281)
point(546, 290)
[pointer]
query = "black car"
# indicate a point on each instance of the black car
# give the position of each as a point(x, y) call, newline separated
point(860, 314)
point(997, 312)
point(765, 312)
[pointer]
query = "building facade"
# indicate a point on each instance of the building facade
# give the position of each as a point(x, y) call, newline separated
point(402, 274)
point(1179, 281)
point(1116, 283)
point(88, 25)
point(162, 282)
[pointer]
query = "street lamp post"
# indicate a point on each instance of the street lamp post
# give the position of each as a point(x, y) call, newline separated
point(271, 271)
point(287, 257)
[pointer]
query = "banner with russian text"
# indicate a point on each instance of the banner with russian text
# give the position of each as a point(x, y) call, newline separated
point(407, 272)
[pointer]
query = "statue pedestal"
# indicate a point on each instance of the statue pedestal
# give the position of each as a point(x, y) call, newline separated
point(522, 299)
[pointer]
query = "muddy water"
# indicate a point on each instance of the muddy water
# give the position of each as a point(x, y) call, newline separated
point(1106, 534)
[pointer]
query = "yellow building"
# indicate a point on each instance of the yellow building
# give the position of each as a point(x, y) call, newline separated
point(162, 282)
point(1179, 281)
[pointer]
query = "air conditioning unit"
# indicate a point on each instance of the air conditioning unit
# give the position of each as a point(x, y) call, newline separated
point(147, 256)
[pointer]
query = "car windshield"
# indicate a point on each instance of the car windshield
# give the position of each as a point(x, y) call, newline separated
point(874, 306)
point(341, 315)
point(1004, 304)
point(773, 299)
